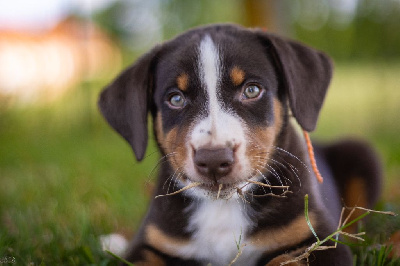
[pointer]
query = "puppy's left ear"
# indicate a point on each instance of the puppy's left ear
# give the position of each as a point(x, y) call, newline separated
point(305, 73)
point(124, 103)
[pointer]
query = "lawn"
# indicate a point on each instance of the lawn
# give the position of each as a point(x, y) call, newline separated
point(67, 178)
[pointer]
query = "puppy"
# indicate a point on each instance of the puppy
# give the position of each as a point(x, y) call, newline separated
point(225, 103)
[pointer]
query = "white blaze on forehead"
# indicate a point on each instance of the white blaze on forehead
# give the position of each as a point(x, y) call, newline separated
point(220, 126)
point(209, 64)
point(210, 69)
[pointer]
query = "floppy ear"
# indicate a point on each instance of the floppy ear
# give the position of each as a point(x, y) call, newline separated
point(306, 74)
point(124, 103)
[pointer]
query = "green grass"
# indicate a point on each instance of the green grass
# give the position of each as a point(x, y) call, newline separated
point(364, 253)
point(67, 178)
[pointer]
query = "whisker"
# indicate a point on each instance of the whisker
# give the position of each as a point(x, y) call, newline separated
point(267, 167)
point(292, 167)
point(255, 175)
point(263, 185)
point(293, 156)
point(151, 154)
point(266, 179)
point(171, 178)
point(275, 173)
point(241, 196)
point(276, 167)
point(282, 195)
point(162, 160)
point(294, 170)
point(177, 178)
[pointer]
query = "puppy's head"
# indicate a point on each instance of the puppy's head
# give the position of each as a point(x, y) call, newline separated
point(218, 97)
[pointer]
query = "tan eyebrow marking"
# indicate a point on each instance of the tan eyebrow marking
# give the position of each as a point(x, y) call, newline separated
point(237, 75)
point(182, 81)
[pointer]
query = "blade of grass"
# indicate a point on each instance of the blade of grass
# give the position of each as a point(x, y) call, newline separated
point(308, 218)
point(119, 258)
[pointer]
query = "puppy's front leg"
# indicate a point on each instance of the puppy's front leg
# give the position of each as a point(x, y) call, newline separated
point(150, 259)
point(285, 258)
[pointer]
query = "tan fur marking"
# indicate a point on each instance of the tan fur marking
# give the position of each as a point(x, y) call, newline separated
point(174, 146)
point(237, 76)
point(264, 138)
point(285, 236)
point(150, 259)
point(161, 241)
point(170, 140)
point(159, 130)
point(172, 143)
point(278, 115)
point(183, 81)
point(355, 195)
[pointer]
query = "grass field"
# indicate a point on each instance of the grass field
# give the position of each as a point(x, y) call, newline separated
point(67, 178)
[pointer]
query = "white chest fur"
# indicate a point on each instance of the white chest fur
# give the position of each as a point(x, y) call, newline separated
point(217, 227)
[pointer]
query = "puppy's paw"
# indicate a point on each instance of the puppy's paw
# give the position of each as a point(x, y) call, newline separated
point(114, 243)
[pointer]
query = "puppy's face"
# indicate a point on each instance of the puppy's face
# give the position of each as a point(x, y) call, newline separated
point(218, 113)
point(216, 94)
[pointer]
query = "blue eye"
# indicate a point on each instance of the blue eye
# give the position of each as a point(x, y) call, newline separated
point(252, 92)
point(177, 100)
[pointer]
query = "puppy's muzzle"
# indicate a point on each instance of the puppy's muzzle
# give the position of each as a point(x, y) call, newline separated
point(214, 163)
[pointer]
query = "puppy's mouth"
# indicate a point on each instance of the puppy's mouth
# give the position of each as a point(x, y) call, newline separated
point(220, 191)
point(216, 190)
point(215, 187)
point(227, 191)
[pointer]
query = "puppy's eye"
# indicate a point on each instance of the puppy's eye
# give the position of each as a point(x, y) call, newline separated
point(176, 100)
point(252, 92)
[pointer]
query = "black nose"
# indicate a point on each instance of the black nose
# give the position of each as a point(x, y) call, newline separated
point(214, 163)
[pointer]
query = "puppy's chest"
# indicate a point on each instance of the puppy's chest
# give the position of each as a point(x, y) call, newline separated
point(219, 228)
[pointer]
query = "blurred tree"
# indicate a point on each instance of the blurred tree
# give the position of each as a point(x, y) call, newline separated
point(108, 18)
point(346, 29)
point(271, 15)
point(137, 24)
point(369, 29)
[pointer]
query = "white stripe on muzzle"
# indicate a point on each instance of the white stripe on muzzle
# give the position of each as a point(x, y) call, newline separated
point(221, 127)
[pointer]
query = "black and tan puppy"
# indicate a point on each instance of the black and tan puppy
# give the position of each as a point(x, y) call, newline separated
point(222, 100)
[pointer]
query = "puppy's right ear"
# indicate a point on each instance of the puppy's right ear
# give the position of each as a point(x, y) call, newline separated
point(124, 103)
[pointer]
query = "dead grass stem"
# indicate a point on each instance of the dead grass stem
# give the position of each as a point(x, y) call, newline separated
point(191, 185)
point(335, 235)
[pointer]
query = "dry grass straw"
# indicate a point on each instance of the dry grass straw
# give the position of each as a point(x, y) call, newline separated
point(335, 235)
point(191, 185)
point(238, 190)
point(219, 190)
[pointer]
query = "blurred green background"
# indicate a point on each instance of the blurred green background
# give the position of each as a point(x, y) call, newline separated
point(66, 177)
